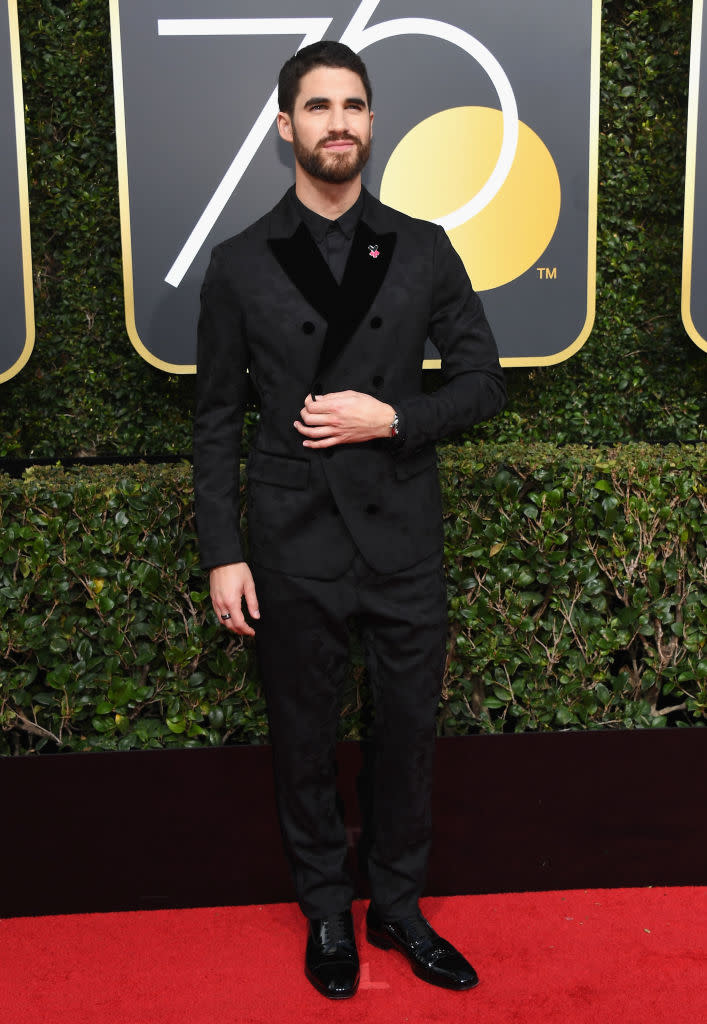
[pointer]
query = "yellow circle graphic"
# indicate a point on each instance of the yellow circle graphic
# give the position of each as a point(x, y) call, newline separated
point(444, 161)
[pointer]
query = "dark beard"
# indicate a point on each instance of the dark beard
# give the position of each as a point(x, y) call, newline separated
point(333, 168)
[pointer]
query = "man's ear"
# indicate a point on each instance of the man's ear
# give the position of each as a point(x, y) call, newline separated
point(284, 126)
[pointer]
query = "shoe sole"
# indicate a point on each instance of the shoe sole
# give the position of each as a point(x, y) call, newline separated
point(384, 942)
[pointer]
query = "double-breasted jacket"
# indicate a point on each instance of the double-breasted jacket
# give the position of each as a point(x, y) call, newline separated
point(271, 309)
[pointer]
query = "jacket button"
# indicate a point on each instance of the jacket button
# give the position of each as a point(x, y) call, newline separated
point(371, 509)
point(376, 322)
point(308, 327)
point(377, 382)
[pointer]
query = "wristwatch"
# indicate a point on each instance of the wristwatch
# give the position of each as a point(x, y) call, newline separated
point(395, 426)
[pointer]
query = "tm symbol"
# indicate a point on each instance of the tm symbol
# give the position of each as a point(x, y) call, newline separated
point(547, 273)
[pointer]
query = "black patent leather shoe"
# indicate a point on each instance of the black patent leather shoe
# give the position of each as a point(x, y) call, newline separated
point(331, 960)
point(432, 958)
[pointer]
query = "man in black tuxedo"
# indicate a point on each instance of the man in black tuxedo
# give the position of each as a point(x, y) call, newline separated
point(327, 302)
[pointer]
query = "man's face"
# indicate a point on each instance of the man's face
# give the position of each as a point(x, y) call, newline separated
point(330, 127)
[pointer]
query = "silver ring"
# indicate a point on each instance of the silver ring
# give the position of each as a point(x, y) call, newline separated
point(226, 615)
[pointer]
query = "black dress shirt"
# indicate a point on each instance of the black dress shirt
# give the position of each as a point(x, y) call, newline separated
point(333, 237)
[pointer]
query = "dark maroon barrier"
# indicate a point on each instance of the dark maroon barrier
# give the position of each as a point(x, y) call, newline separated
point(178, 828)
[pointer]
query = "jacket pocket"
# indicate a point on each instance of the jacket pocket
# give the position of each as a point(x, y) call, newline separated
point(278, 470)
point(410, 465)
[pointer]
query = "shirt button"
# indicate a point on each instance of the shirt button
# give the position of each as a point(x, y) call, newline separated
point(308, 327)
point(377, 382)
point(371, 509)
point(376, 322)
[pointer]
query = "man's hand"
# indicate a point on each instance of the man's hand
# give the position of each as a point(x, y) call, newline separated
point(343, 417)
point(229, 585)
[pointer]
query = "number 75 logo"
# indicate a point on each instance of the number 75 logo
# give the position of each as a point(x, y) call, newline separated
point(486, 123)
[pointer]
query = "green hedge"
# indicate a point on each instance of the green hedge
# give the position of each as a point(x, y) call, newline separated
point(87, 391)
point(577, 595)
point(578, 583)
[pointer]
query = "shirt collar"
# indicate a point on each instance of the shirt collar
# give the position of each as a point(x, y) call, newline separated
point(318, 225)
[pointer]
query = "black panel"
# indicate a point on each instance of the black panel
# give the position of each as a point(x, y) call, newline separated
point(142, 830)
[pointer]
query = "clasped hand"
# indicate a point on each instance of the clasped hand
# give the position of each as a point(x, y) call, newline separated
point(343, 417)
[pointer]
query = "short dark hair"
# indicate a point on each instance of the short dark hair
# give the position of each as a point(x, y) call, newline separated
point(328, 54)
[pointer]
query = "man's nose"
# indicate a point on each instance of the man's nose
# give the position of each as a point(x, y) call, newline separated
point(337, 119)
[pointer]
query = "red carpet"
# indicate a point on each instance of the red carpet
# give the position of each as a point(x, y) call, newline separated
point(629, 956)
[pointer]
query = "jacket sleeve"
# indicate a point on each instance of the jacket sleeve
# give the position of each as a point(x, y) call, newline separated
point(473, 387)
point(221, 391)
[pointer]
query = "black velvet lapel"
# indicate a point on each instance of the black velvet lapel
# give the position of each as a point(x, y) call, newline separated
point(305, 266)
point(342, 306)
point(362, 280)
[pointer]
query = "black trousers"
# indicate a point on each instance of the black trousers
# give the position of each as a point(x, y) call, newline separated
point(302, 641)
